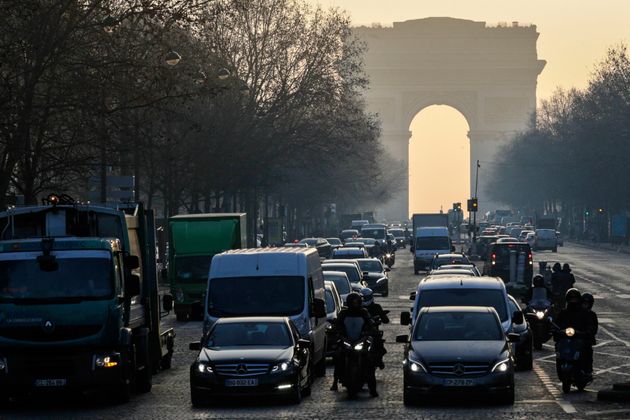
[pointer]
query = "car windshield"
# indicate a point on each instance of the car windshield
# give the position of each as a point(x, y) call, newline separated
point(192, 269)
point(351, 272)
point(465, 297)
point(503, 251)
point(348, 255)
point(458, 326)
point(373, 233)
point(251, 296)
point(341, 283)
point(349, 234)
point(232, 334)
point(309, 242)
point(397, 232)
point(330, 301)
point(432, 242)
point(83, 274)
point(367, 241)
point(449, 261)
point(333, 241)
point(373, 266)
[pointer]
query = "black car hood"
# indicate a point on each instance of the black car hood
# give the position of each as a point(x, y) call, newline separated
point(376, 275)
point(246, 354)
point(464, 351)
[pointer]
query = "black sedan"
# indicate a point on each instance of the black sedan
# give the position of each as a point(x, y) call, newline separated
point(376, 277)
point(458, 350)
point(258, 356)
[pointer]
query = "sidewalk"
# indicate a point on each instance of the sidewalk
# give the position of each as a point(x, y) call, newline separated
point(624, 249)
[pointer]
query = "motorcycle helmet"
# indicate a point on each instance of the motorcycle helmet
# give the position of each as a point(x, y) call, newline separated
point(538, 281)
point(368, 296)
point(573, 296)
point(588, 300)
point(354, 300)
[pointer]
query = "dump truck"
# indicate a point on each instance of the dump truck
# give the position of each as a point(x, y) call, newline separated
point(79, 300)
point(193, 240)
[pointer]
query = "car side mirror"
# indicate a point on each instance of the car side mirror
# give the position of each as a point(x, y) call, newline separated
point(195, 345)
point(412, 296)
point(517, 317)
point(319, 308)
point(405, 318)
point(513, 337)
point(132, 262)
point(387, 269)
point(167, 303)
point(402, 338)
point(132, 285)
point(412, 249)
point(366, 275)
point(303, 343)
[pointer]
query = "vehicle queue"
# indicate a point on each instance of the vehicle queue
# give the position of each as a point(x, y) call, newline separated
point(468, 333)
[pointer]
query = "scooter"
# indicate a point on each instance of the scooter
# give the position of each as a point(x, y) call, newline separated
point(389, 258)
point(570, 346)
point(538, 315)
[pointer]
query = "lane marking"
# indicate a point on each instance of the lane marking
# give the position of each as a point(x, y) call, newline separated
point(605, 412)
point(606, 321)
point(614, 337)
point(566, 406)
point(624, 296)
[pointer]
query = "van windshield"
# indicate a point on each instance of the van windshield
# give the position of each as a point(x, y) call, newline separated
point(256, 296)
point(432, 242)
point(465, 297)
point(458, 326)
point(351, 271)
point(373, 233)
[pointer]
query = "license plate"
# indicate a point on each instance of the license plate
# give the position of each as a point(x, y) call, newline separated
point(459, 382)
point(50, 382)
point(241, 382)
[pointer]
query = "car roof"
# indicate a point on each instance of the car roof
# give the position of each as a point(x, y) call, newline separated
point(469, 282)
point(240, 319)
point(348, 250)
point(456, 266)
point(340, 261)
point(367, 259)
point(452, 271)
point(460, 309)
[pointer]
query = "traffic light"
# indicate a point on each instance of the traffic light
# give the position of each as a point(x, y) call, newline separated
point(473, 205)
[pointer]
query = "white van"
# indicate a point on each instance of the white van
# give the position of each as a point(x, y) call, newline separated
point(271, 282)
point(428, 242)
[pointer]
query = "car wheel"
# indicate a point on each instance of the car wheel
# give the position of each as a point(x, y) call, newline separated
point(409, 399)
point(197, 398)
point(385, 293)
point(320, 368)
point(296, 395)
point(508, 397)
point(525, 362)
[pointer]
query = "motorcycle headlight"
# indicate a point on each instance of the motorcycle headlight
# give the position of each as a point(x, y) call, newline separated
point(502, 366)
point(281, 367)
point(204, 368)
point(359, 347)
point(540, 314)
point(388, 255)
point(570, 332)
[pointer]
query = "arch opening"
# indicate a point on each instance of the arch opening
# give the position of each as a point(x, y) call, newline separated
point(439, 159)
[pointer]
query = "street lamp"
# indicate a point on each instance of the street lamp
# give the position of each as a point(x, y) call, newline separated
point(223, 73)
point(172, 58)
point(109, 23)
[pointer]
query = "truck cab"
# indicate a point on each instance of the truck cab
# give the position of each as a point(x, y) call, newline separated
point(428, 242)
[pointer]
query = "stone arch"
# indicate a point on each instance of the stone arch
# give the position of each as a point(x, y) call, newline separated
point(488, 74)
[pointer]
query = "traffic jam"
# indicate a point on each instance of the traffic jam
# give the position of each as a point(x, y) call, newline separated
point(86, 307)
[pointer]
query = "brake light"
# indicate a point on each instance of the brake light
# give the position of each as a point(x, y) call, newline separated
point(494, 259)
point(529, 257)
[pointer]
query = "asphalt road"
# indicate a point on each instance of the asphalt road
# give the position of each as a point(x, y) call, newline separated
point(538, 392)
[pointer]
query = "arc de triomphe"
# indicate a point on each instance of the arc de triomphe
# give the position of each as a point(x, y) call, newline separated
point(489, 74)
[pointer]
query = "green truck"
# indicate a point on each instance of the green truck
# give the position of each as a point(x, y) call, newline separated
point(193, 240)
point(79, 301)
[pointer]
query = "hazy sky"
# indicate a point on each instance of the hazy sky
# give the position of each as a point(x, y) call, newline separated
point(574, 35)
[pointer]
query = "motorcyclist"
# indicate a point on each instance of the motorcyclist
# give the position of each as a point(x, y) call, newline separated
point(587, 303)
point(377, 250)
point(347, 326)
point(562, 281)
point(575, 316)
point(375, 310)
point(538, 295)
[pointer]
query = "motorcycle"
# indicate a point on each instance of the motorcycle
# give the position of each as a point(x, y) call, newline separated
point(570, 346)
point(358, 364)
point(389, 258)
point(538, 316)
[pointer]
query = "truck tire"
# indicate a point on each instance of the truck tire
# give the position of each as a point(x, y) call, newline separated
point(143, 368)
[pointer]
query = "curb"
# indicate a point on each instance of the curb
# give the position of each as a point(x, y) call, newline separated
point(619, 250)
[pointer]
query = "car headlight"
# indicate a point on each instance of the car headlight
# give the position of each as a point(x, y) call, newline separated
point(105, 361)
point(502, 366)
point(570, 332)
point(415, 366)
point(359, 347)
point(204, 368)
point(540, 314)
point(281, 367)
